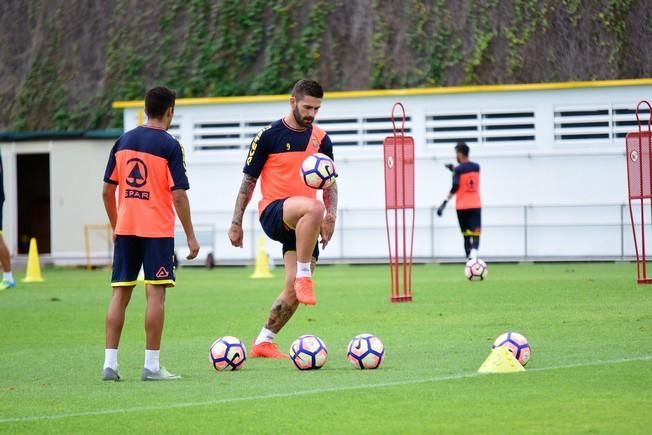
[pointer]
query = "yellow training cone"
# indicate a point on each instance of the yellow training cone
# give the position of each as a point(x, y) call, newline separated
point(33, 272)
point(262, 263)
point(501, 360)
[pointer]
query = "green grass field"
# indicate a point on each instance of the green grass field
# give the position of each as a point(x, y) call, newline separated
point(589, 325)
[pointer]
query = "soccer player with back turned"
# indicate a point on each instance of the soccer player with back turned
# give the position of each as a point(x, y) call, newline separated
point(146, 167)
point(289, 210)
point(466, 188)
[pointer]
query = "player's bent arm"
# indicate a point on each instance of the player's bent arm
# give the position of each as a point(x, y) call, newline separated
point(108, 196)
point(182, 207)
point(245, 193)
point(330, 202)
point(328, 224)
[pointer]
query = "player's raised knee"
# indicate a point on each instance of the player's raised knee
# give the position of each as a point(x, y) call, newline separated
point(317, 209)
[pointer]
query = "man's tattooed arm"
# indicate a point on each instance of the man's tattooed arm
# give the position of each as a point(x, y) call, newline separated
point(247, 187)
point(244, 196)
point(330, 201)
point(328, 224)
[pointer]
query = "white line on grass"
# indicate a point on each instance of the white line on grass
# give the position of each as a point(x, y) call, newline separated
point(305, 392)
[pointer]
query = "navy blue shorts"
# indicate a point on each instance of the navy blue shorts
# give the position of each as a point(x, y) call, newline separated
point(272, 222)
point(155, 254)
point(470, 221)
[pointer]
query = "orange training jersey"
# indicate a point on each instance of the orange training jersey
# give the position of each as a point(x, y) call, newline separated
point(147, 164)
point(276, 154)
point(466, 186)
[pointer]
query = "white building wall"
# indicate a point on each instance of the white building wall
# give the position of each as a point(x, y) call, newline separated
point(567, 190)
point(521, 179)
point(76, 173)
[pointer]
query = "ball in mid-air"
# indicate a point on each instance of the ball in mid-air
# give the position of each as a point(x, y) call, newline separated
point(366, 351)
point(517, 344)
point(318, 171)
point(308, 352)
point(227, 353)
point(476, 269)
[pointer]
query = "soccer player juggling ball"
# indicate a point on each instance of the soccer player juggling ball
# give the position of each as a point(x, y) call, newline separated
point(289, 211)
point(466, 186)
point(146, 167)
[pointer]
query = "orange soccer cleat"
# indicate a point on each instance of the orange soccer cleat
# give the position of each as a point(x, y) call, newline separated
point(267, 349)
point(304, 292)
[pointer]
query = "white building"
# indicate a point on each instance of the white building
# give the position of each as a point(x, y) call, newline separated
point(552, 158)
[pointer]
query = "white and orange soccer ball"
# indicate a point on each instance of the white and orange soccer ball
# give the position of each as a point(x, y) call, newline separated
point(366, 351)
point(318, 171)
point(476, 269)
point(227, 353)
point(308, 352)
point(517, 344)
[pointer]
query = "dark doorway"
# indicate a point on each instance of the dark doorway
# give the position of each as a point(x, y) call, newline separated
point(33, 193)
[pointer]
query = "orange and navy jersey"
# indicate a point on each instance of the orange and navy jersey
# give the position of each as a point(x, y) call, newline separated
point(466, 186)
point(147, 165)
point(276, 154)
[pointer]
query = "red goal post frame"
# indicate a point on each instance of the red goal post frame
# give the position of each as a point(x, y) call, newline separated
point(398, 162)
point(638, 155)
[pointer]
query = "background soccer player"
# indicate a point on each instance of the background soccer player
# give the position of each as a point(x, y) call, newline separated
point(289, 210)
point(5, 260)
point(146, 166)
point(466, 185)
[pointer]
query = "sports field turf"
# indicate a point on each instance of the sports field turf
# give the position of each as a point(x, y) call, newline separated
point(589, 325)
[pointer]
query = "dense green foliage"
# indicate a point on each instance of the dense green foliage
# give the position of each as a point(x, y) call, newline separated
point(590, 371)
point(67, 60)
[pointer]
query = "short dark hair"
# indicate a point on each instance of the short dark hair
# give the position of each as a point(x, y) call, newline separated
point(462, 148)
point(158, 100)
point(307, 87)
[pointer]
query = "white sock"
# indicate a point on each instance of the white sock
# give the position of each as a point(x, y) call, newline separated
point(151, 360)
point(265, 336)
point(303, 270)
point(111, 358)
point(8, 276)
point(474, 254)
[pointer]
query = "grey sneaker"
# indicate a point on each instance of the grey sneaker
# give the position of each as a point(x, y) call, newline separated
point(161, 375)
point(108, 374)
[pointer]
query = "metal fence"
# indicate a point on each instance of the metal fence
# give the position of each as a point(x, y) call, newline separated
point(509, 233)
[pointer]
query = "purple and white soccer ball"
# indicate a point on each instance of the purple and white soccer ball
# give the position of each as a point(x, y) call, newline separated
point(308, 352)
point(517, 344)
point(366, 351)
point(227, 353)
point(318, 171)
point(476, 269)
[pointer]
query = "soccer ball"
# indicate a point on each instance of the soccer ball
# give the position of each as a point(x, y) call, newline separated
point(516, 344)
point(318, 171)
point(308, 352)
point(476, 269)
point(227, 353)
point(366, 351)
